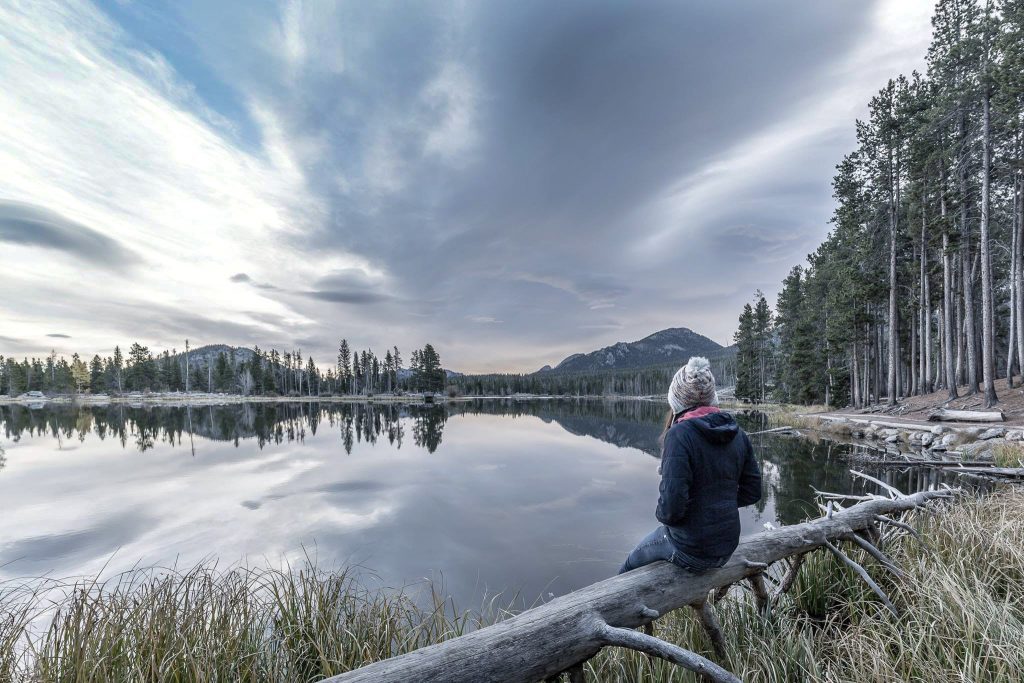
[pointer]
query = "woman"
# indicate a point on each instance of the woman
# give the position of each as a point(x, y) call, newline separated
point(708, 472)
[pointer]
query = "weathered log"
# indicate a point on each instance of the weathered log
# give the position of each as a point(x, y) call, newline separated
point(776, 430)
point(571, 629)
point(1005, 472)
point(947, 415)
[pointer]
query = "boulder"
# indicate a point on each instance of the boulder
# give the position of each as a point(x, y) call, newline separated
point(992, 433)
point(938, 429)
point(927, 438)
point(1015, 435)
point(892, 438)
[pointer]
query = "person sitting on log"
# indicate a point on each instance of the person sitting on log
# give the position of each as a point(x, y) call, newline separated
point(708, 472)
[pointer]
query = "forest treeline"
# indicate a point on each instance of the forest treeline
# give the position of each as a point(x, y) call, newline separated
point(918, 286)
point(249, 372)
point(646, 381)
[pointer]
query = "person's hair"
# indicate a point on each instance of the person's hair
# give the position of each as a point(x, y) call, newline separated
point(669, 419)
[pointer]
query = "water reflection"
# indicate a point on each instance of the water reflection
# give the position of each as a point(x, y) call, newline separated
point(536, 497)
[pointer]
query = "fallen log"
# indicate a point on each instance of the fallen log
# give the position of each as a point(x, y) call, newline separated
point(1005, 472)
point(908, 426)
point(947, 415)
point(558, 636)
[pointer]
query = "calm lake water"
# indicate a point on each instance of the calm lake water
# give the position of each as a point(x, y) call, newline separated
point(534, 498)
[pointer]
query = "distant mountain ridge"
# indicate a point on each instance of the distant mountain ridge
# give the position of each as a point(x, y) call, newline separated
point(672, 345)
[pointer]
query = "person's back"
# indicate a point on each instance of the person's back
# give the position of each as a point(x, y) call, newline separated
point(708, 472)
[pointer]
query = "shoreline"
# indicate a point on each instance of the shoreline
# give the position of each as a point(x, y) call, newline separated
point(205, 399)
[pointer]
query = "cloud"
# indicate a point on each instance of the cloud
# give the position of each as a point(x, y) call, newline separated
point(349, 286)
point(25, 224)
point(579, 172)
point(58, 335)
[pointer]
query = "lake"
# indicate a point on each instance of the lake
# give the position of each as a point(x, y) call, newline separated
point(529, 498)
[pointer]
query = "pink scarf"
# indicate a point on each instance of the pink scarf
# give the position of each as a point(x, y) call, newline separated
point(697, 412)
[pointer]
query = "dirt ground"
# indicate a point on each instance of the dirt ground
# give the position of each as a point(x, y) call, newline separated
point(916, 408)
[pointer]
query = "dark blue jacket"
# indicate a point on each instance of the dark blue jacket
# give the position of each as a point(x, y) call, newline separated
point(708, 472)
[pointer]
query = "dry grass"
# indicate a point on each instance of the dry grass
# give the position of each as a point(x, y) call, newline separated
point(1009, 454)
point(963, 620)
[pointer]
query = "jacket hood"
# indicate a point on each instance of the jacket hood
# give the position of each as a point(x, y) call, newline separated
point(717, 428)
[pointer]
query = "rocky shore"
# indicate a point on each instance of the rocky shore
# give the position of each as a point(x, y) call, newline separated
point(922, 440)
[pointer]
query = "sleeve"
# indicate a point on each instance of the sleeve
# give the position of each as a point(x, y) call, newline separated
point(674, 491)
point(750, 478)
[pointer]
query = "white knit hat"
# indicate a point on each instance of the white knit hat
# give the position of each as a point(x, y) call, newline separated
point(693, 386)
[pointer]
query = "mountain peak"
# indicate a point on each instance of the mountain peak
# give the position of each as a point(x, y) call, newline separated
point(671, 345)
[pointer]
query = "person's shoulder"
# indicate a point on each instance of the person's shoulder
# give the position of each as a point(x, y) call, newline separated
point(680, 430)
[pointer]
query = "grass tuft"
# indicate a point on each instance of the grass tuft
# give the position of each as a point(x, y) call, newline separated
point(1009, 454)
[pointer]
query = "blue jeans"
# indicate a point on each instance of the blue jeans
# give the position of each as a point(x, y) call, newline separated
point(658, 545)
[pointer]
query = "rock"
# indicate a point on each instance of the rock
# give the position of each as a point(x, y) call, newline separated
point(926, 439)
point(980, 450)
point(948, 440)
point(938, 429)
point(892, 438)
point(1015, 435)
point(992, 433)
point(890, 432)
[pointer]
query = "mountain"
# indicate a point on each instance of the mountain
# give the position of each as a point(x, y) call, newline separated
point(674, 345)
point(207, 355)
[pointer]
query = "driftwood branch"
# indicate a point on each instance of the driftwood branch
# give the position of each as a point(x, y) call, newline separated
point(947, 415)
point(624, 637)
point(708, 619)
point(863, 574)
point(873, 550)
point(558, 635)
point(790, 577)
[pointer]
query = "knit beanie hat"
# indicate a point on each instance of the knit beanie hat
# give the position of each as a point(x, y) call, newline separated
point(693, 386)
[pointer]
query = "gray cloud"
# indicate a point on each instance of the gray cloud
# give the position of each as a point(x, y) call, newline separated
point(524, 180)
point(348, 286)
point(58, 335)
point(31, 225)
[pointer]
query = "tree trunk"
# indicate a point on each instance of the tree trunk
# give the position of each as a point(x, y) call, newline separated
point(988, 332)
point(960, 344)
point(893, 311)
point(970, 329)
point(855, 377)
point(1011, 346)
point(1019, 272)
point(559, 635)
point(926, 308)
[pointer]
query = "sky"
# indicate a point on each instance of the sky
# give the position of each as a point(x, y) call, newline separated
point(512, 182)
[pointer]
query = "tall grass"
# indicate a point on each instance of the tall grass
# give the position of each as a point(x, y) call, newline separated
point(962, 606)
point(204, 624)
point(1009, 454)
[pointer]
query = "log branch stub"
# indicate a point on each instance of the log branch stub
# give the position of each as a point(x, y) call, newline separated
point(790, 577)
point(708, 619)
point(761, 597)
point(634, 640)
point(863, 574)
point(872, 550)
point(893, 491)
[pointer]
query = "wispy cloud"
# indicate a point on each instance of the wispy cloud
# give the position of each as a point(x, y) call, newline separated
point(510, 181)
